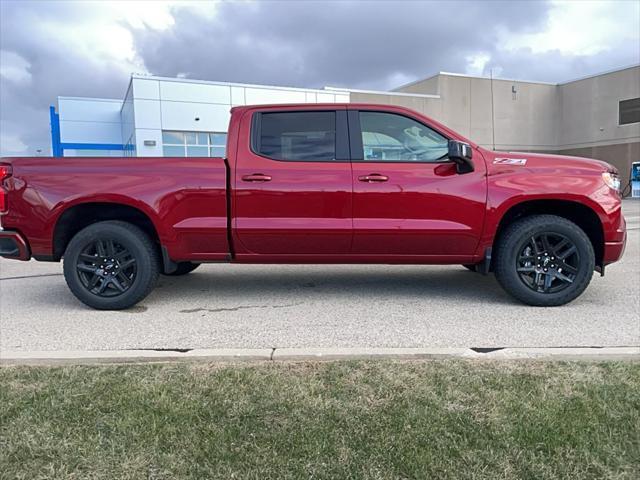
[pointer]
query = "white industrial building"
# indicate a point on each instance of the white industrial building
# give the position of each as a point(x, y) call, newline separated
point(164, 117)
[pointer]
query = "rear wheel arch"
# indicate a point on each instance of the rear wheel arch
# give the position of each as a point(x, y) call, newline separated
point(79, 216)
point(582, 215)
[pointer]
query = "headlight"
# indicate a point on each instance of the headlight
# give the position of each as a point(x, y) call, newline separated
point(612, 180)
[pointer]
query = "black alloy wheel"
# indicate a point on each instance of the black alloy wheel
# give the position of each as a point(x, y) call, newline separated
point(548, 262)
point(106, 268)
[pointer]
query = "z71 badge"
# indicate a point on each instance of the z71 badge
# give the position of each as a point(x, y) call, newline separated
point(510, 161)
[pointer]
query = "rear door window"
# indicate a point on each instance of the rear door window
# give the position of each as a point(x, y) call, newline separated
point(295, 136)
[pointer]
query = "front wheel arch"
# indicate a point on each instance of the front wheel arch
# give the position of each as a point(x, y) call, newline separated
point(583, 216)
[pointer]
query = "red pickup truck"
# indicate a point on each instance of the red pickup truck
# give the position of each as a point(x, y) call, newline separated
point(333, 183)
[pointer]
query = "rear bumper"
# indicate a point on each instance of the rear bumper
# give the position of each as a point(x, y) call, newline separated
point(13, 245)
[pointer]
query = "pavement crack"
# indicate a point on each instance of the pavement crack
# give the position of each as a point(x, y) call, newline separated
point(32, 276)
point(239, 307)
point(177, 350)
point(486, 349)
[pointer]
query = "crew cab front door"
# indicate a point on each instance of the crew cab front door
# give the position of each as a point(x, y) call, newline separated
point(292, 183)
point(408, 198)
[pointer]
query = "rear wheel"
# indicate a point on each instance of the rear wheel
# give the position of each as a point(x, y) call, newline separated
point(111, 265)
point(544, 260)
point(182, 269)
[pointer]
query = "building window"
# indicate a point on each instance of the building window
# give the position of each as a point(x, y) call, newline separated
point(629, 111)
point(193, 144)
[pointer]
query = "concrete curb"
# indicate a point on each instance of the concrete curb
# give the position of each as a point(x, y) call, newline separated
point(131, 356)
point(313, 354)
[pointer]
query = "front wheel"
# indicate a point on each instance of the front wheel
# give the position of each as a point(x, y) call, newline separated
point(111, 265)
point(544, 260)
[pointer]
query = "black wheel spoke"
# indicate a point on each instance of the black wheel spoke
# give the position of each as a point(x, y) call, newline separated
point(103, 286)
point(567, 253)
point(545, 243)
point(557, 248)
point(111, 248)
point(561, 276)
point(87, 268)
point(536, 250)
point(526, 269)
point(127, 263)
point(121, 254)
point(537, 279)
point(100, 249)
point(87, 257)
point(568, 268)
point(116, 283)
point(94, 281)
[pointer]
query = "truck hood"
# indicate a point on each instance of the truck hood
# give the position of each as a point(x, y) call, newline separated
point(499, 161)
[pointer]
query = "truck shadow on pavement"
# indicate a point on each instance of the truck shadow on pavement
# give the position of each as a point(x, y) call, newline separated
point(237, 284)
point(394, 283)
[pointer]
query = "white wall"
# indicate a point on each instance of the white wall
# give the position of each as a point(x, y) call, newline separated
point(173, 104)
point(89, 120)
point(127, 118)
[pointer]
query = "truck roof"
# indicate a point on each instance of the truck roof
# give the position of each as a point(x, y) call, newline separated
point(354, 106)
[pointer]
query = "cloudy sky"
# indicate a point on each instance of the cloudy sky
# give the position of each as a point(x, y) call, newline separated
point(89, 48)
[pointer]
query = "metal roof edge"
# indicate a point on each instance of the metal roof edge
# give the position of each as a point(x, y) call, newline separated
point(224, 84)
point(382, 92)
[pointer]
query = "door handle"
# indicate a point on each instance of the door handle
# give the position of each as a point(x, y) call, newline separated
point(373, 177)
point(257, 177)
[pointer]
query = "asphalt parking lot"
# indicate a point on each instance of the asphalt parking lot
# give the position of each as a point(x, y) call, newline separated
point(281, 306)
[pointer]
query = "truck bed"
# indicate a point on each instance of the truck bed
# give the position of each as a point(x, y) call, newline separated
point(184, 198)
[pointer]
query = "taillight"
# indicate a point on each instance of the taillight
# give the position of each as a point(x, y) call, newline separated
point(5, 172)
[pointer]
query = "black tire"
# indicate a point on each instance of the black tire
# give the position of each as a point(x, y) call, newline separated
point(472, 267)
point(526, 259)
point(135, 265)
point(183, 269)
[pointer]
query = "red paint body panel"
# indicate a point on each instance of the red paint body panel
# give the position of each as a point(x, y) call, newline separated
point(309, 212)
point(305, 209)
point(185, 199)
point(423, 209)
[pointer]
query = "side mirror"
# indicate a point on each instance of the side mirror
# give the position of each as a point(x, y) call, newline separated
point(461, 153)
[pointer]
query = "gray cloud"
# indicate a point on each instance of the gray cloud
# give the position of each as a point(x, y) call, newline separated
point(354, 44)
point(554, 66)
point(53, 67)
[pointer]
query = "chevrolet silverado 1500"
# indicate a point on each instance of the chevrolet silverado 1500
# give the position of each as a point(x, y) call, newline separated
point(333, 183)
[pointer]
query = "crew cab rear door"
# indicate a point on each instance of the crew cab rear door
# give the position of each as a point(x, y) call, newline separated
point(292, 183)
point(408, 198)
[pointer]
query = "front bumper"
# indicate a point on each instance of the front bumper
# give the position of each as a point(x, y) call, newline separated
point(13, 245)
point(614, 249)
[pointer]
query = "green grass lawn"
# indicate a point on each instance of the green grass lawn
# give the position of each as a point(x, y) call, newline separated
point(332, 420)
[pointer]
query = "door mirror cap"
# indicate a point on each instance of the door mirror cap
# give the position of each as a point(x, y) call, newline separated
point(461, 153)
